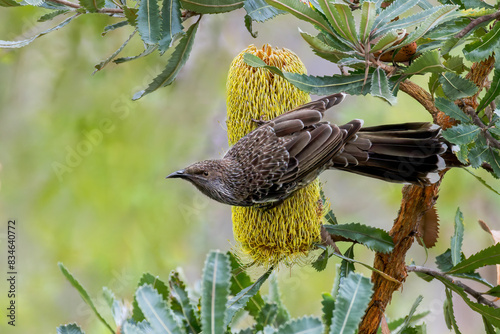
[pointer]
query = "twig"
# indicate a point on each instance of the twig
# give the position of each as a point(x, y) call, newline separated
point(477, 22)
point(477, 121)
point(435, 273)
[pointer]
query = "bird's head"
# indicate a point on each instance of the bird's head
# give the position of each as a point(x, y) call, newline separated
point(210, 178)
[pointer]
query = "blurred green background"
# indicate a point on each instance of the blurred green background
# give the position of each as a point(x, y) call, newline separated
point(111, 215)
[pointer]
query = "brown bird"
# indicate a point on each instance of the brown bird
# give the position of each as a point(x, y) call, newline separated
point(288, 152)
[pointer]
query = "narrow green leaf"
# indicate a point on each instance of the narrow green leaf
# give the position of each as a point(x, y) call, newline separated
point(397, 8)
point(103, 63)
point(322, 49)
point(211, 6)
point(328, 306)
point(451, 110)
point(487, 256)
point(430, 22)
point(495, 291)
point(131, 15)
point(215, 292)
point(488, 327)
point(260, 10)
point(9, 3)
point(462, 133)
point(148, 21)
point(447, 30)
point(449, 315)
point(157, 284)
point(428, 62)
point(391, 38)
point(368, 14)
point(354, 295)
point(51, 15)
point(409, 318)
point(396, 323)
point(305, 325)
point(347, 267)
point(18, 44)
point(482, 181)
point(92, 5)
point(156, 311)
point(374, 238)
point(455, 64)
point(174, 65)
point(406, 22)
point(320, 263)
point(303, 12)
point(114, 26)
point(484, 47)
point(274, 296)
point(380, 86)
point(171, 23)
point(456, 87)
point(150, 49)
point(341, 18)
point(179, 290)
point(494, 91)
point(83, 293)
point(69, 329)
point(239, 281)
point(457, 238)
point(266, 316)
point(493, 158)
point(492, 314)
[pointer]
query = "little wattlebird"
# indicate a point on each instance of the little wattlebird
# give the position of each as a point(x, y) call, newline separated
point(288, 152)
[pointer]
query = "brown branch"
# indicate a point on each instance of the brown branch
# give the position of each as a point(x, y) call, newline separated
point(468, 28)
point(435, 273)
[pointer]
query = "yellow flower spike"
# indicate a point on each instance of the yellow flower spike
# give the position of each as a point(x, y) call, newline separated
point(286, 233)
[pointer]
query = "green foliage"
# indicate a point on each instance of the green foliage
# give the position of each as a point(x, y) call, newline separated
point(211, 6)
point(374, 238)
point(457, 238)
point(69, 329)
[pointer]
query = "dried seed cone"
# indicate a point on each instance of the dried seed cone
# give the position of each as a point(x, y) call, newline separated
point(286, 233)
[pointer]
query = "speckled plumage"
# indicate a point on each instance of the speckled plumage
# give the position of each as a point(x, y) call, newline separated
point(288, 152)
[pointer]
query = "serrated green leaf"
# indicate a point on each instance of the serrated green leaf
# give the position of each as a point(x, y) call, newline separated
point(307, 325)
point(488, 327)
point(51, 15)
point(92, 6)
point(428, 62)
point(495, 291)
point(69, 329)
point(130, 327)
point(18, 44)
point(347, 267)
point(451, 110)
point(397, 8)
point(455, 64)
point(456, 87)
point(492, 314)
point(374, 238)
point(320, 263)
point(239, 281)
point(487, 256)
point(380, 86)
point(494, 91)
point(457, 238)
point(474, 5)
point(150, 49)
point(179, 291)
point(260, 11)
point(392, 37)
point(341, 19)
point(303, 12)
point(83, 293)
point(211, 6)
point(322, 49)
point(158, 285)
point(484, 47)
point(354, 295)
point(9, 3)
point(171, 23)
point(449, 315)
point(368, 14)
point(328, 306)
point(148, 21)
point(175, 63)
point(103, 63)
point(462, 133)
point(118, 311)
point(493, 158)
point(444, 262)
point(266, 316)
point(447, 30)
point(214, 293)
point(274, 296)
point(156, 311)
point(130, 15)
point(409, 318)
point(406, 22)
point(431, 21)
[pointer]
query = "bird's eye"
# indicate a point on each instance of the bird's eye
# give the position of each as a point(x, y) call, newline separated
point(205, 173)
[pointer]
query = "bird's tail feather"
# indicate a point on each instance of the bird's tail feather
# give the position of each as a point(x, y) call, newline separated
point(406, 153)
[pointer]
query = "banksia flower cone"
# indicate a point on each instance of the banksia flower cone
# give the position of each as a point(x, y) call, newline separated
point(285, 233)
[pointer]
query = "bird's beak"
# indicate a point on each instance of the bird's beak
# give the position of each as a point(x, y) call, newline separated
point(178, 174)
